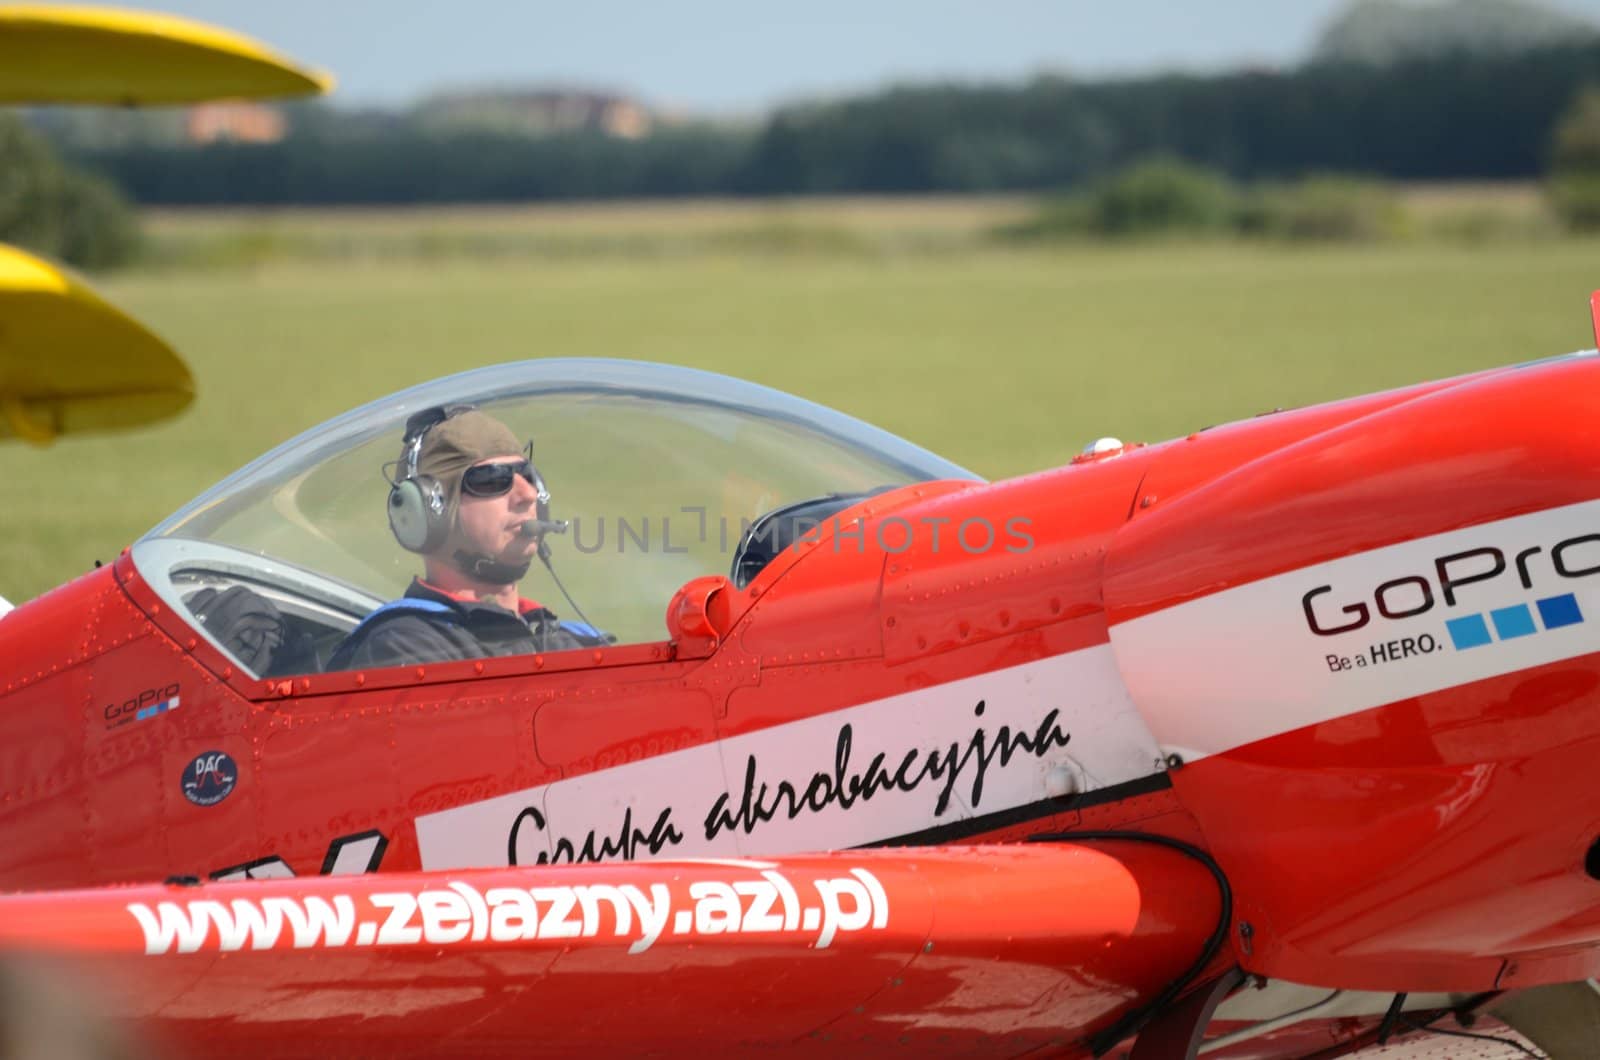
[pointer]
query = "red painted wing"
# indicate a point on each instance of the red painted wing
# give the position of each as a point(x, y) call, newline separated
point(965, 951)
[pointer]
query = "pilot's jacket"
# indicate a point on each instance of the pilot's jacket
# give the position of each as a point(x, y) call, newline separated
point(428, 626)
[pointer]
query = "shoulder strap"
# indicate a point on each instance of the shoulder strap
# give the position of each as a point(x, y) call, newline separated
point(582, 629)
point(402, 606)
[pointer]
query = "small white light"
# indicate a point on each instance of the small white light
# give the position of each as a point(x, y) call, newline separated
point(1064, 778)
point(1102, 445)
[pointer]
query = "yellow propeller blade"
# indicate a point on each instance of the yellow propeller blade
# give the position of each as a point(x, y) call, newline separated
point(55, 54)
point(72, 363)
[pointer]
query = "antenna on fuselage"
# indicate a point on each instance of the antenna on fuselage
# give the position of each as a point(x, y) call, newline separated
point(1594, 315)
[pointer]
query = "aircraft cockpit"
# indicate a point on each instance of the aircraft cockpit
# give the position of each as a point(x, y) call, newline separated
point(656, 475)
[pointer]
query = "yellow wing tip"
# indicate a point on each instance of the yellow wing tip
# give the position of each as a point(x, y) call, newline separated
point(73, 363)
point(21, 271)
point(317, 82)
point(117, 35)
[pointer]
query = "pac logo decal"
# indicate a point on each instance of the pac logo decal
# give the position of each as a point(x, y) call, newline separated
point(209, 778)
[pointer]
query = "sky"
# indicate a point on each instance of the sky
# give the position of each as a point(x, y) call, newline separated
point(743, 56)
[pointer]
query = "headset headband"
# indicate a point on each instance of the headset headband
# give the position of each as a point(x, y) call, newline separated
point(417, 427)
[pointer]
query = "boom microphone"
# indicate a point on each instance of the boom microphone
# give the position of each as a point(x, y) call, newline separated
point(540, 527)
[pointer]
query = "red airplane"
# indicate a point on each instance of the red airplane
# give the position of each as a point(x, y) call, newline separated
point(1271, 741)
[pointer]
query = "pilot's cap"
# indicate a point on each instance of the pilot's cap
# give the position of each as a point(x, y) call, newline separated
point(460, 441)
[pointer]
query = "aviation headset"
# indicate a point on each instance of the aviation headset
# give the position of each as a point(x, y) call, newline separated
point(420, 514)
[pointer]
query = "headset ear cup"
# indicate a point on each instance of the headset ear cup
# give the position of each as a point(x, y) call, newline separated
point(408, 515)
point(416, 514)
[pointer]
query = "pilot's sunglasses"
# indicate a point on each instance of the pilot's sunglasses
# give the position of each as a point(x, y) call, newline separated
point(492, 480)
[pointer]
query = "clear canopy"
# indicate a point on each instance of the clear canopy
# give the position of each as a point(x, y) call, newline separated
point(658, 469)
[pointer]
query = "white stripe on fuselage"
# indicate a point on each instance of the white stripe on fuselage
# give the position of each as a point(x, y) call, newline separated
point(1244, 664)
point(895, 766)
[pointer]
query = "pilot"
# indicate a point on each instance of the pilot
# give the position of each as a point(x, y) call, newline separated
point(465, 496)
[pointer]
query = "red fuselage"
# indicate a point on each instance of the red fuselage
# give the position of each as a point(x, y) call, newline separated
point(1259, 639)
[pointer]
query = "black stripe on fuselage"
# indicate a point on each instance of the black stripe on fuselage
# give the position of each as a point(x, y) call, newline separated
point(1033, 811)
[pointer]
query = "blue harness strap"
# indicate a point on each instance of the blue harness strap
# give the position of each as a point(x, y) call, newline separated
point(405, 604)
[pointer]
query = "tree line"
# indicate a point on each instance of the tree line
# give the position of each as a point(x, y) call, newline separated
point(1445, 117)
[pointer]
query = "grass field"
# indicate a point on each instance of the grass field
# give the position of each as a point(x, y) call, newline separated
point(1005, 361)
point(629, 231)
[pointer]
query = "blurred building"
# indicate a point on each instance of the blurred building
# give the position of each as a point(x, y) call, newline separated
point(538, 112)
point(245, 123)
